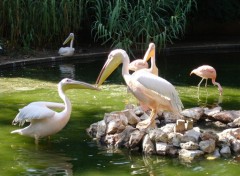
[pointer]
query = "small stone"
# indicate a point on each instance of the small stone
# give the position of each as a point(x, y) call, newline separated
point(191, 135)
point(147, 145)
point(235, 123)
point(189, 125)
point(189, 155)
point(189, 145)
point(170, 117)
point(124, 136)
point(158, 135)
point(225, 151)
point(175, 139)
point(162, 148)
point(172, 151)
point(226, 116)
point(193, 113)
point(211, 112)
point(208, 146)
point(135, 138)
point(206, 135)
point(168, 128)
point(115, 126)
point(132, 118)
point(180, 126)
point(216, 154)
point(235, 145)
point(138, 111)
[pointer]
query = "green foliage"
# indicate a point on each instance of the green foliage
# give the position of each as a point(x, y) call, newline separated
point(134, 23)
point(39, 22)
point(127, 24)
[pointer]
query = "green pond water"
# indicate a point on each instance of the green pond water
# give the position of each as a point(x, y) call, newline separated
point(72, 151)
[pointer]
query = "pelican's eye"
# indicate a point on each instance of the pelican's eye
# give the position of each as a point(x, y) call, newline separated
point(67, 80)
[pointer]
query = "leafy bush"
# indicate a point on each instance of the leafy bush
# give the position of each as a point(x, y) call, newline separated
point(132, 24)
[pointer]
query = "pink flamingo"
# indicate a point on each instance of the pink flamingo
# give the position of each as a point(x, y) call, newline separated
point(207, 72)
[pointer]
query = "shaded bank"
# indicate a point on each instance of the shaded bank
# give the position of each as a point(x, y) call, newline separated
point(184, 47)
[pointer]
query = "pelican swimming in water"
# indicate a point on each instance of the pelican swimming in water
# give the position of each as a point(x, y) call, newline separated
point(44, 121)
point(155, 92)
point(139, 64)
point(67, 51)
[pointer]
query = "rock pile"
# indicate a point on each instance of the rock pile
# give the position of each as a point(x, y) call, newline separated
point(198, 132)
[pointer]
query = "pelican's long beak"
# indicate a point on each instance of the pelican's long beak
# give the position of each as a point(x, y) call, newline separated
point(113, 61)
point(150, 52)
point(73, 84)
point(70, 37)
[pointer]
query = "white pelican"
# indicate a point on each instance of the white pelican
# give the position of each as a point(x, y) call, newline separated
point(155, 92)
point(43, 120)
point(139, 64)
point(67, 51)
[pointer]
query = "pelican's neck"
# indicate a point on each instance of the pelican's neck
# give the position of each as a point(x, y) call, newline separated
point(68, 106)
point(125, 68)
point(153, 67)
point(125, 62)
point(71, 43)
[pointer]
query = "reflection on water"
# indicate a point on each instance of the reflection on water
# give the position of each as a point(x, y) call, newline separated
point(145, 165)
point(42, 162)
point(211, 102)
point(67, 70)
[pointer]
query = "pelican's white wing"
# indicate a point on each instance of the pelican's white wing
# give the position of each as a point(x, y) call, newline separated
point(51, 105)
point(63, 50)
point(159, 85)
point(35, 111)
point(66, 51)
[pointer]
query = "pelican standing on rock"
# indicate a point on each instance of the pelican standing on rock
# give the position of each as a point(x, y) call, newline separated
point(43, 120)
point(139, 64)
point(150, 53)
point(207, 72)
point(155, 92)
point(67, 51)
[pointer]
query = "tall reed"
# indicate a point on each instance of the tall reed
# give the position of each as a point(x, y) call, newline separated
point(134, 23)
point(39, 22)
point(128, 24)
